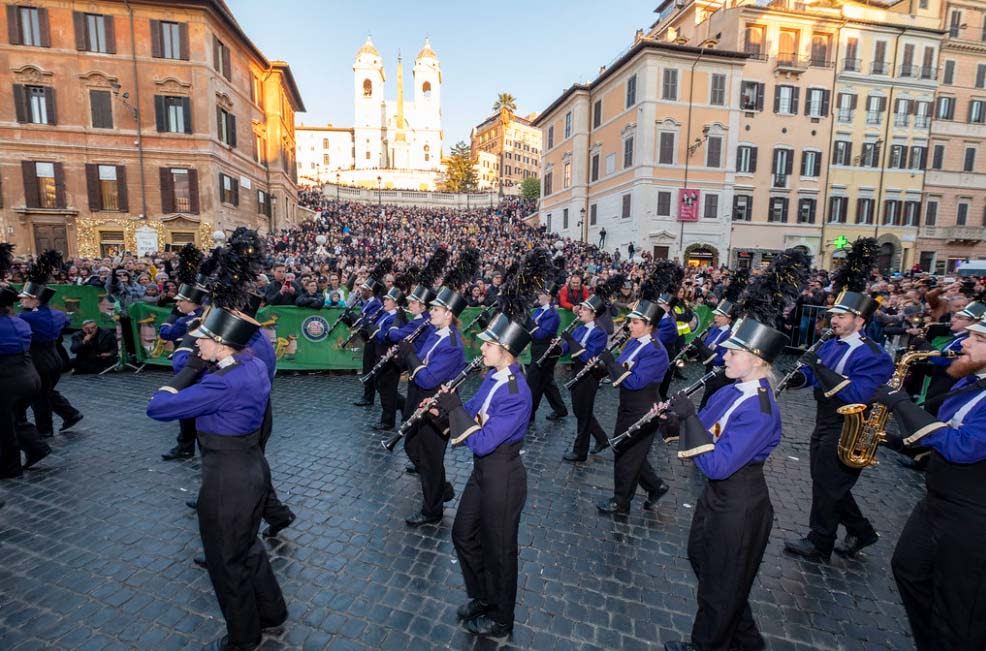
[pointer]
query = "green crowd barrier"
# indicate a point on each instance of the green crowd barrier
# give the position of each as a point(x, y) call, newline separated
point(82, 302)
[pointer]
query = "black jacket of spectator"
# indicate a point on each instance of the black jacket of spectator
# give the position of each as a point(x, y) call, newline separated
point(306, 299)
point(91, 356)
point(273, 295)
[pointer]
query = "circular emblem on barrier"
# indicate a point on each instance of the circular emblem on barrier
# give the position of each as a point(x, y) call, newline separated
point(315, 328)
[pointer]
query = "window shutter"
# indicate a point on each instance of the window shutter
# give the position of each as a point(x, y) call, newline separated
point(110, 34)
point(838, 98)
point(183, 40)
point(855, 102)
point(883, 104)
point(980, 75)
point(804, 162)
point(30, 174)
point(13, 25)
point(826, 96)
point(156, 41)
point(43, 28)
point(795, 92)
point(231, 126)
point(92, 187)
point(227, 69)
point(160, 113)
point(818, 165)
point(193, 191)
point(753, 159)
point(777, 98)
point(121, 188)
point(761, 92)
point(79, 20)
point(20, 103)
point(186, 109)
point(790, 162)
point(776, 163)
point(50, 104)
point(808, 97)
point(102, 112)
point(59, 185)
point(236, 192)
point(221, 185)
point(219, 124)
point(849, 152)
point(859, 210)
point(739, 152)
point(167, 191)
point(215, 52)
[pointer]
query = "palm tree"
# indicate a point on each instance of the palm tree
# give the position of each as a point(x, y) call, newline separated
point(505, 101)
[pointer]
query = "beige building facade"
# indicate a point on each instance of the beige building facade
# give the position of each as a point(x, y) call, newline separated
point(515, 145)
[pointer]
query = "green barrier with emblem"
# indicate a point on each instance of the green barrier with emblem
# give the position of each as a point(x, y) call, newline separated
point(82, 302)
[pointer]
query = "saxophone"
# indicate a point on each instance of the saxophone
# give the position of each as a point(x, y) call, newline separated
point(859, 439)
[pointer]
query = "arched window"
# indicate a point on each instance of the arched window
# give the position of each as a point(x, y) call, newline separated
point(367, 88)
point(426, 89)
point(427, 150)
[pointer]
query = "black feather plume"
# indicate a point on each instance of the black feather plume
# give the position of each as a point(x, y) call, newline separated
point(208, 268)
point(6, 258)
point(381, 269)
point(404, 281)
point(666, 278)
point(522, 281)
point(189, 259)
point(239, 263)
point(737, 284)
point(464, 270)
point(434, 268)
point(609, 288)
point(44, 267)
point(771, 292)
point(855, 270)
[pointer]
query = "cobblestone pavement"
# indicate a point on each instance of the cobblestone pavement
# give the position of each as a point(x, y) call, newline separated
point(97, 544)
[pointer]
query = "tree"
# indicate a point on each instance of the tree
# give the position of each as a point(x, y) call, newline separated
point(505, 101)
point(460, 170)
point(530, 187)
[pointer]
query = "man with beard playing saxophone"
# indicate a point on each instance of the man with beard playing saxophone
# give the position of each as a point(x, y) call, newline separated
point(939, 563)
point(846, 370)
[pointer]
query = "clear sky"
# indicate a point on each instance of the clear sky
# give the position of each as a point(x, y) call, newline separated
point(533, 50)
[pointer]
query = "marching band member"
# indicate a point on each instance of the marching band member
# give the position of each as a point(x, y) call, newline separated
point(369, 290)
point(668, 328)
point(638, 373)
point(711, 352)
point(390, 317)
point(541, 377)
point(585, 343)
point(442, 356)
point(729, 440)
point(847, 369)
point(939, 563)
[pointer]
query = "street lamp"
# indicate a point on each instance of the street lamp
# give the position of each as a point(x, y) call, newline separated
point(218, 237)
point(337, 187)
point(582, 230)
point(135, 109)
point(379, 187)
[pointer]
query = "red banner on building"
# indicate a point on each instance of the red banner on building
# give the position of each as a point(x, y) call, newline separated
point(688, 205)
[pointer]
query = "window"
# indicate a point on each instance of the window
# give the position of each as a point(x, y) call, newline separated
point(669, 89)
point(665, 153)
point(551, 137)
point(547, 221)
point(898, 157)
point(173, 114)
point(106, 186)
point(547, 183)
point(921, 113)
point(367, 88)
point(257, 92)
point(742, 207)
point(928, 70)
point(753, 40)
point(597, 113)
point(976, 113)
point(961, 214)
point(811, 163)
point(946, 108)
point(912, 213)
point(179, 190)
point(981, 75)
point(717, 92)
point(907, 66)
point(954, 23)
point(631, 91)
point(852, 63)
point(880, 66)
point(902, 110)
point(625, 213)
point(751, 95)
point(937, 157)
point(806, 210)
point(627, 153)
point(787, 47)
point(969, 161)
point(169, 40)
point(426, 89)
point(663, 204)
point(817, 103)
point(711, 206)
point(786, 99)
point(918, 158)
point(782, 166)
point(94, 33)
point(426, 150)
point(595, 168)
point(847, 104)
point(820, 46)
point(746, 159)
point(875, 106)
point(263, 203)
point(838, 210)
point(931, 213)
point(229, 189)
point(34, 104)
point(891, 212)
point(566, 176)
point(27, 26)
point(778, 210)
point(713, 151)
point(226, 125)
point(948, 74)
point(568, 125)
point(871, 155)
point(593, 214)
point(864, 210)
point(44, 184)
point(610, 163)
point(564, 218)
point(842, 152)
point(325, 159)
point(101, 109)
point(220, 58)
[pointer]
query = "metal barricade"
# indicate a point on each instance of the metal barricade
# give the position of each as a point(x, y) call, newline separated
point(810, 321)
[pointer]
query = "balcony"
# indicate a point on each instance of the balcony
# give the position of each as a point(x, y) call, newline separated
point(928, 72)
point(874, 117)
point(879, 68)
point(900, 119)
point(791, 62)
point(906, 70)
point(922, 121)
point(754, 52)
point(852, 65)
point(820, 61)
point(962, 233)
point(780, 181)
point(844, 115)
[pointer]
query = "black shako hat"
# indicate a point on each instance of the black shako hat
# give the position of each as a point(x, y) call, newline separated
point(856, 303)
point(228, 327)
point(648, 311)
point(395, 294)
point(754, 337)
point(594, 303)
point(421, 294)
point(974, 310)
point(7, 296)
point(193, 293)
point(450, 300)
point(725, 308)
point(509, 334)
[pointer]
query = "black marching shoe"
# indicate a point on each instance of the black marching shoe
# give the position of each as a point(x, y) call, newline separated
point(449, 493)
point(274, 529)
point(599, 447)
point(69, 423)
point(556, 415)
point(178, 452)
point(31, 460)
point(472, 609)
point(917, 465)
point(612, 507)
point(363, 403)
point(806, 549)
point(574, 458)
point(222, 644)
point(852, 545)
point(410, 469)
point(192, 504)
point(679, 646)
point(653, 496)
point(200, 561)
point(487, 627)
point(383, 427)
point(420, 519)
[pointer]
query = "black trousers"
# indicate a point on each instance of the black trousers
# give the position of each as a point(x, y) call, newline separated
point(679, 343)
point(275, 512)
point(630, 465)
point(729, 534)
point(714, 385)
point(425, 447)
point(387, 381)
point(48, 400)
point(541, 380)
point(231, 500)
point(187, 434)
point(485, 529)
point(583, 401)
point(19, 382)
point(832, 502)
point(940, 568)
point(369, 359)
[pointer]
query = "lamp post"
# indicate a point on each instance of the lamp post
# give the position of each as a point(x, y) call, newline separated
point(582, 229)
point(337, 188)
point(379, 187)
point(135, 110)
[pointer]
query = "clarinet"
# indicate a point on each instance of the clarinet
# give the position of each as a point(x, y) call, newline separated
point(679, 359)
point(392, 352)
point(649, 417)
point(348, 311)
point(556, 342)
point(354, 331)
point(420, 412)
point(487, 311)
point(619, 339)
point(790, 376)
